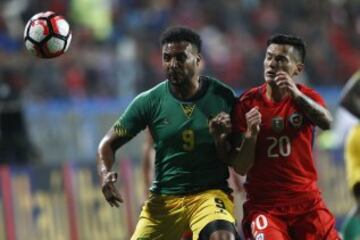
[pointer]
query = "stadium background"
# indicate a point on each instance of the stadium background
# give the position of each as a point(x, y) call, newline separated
point(48, 186)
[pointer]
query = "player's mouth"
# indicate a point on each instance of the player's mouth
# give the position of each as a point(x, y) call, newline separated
point(270, 74)
point(174, 75)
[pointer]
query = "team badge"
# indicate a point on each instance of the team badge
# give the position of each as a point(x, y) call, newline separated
point(277, 124)
point(260, 236)
point(296, 119)
point(188, 109)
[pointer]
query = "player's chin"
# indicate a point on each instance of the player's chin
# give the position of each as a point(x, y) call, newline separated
point(270, 81)
point(175, 81)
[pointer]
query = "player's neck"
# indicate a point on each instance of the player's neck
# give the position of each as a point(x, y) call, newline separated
point(275, 94)
point(188, 91)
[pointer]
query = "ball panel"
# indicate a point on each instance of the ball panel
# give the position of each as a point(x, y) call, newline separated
point(55, 45)
point(38, 30)
point(60, 25)
point(32, 48)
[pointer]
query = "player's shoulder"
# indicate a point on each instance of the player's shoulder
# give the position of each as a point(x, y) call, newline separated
point(219, 85)
point(306, 89)
point(251, 94)
point(153, 92)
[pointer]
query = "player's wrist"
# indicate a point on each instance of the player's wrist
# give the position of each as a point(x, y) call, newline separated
point(251, 134)
point(103, 171)
point(297, 95)
point(220, 139)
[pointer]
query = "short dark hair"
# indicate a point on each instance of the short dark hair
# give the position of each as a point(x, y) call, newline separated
point(179, 34)
point(294, 41)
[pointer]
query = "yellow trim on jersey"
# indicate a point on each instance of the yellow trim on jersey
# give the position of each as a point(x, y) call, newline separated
point(120, 130)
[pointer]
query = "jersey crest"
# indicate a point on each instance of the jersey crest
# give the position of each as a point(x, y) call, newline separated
point(277, 124)
point(188, 109)
point(296, 119)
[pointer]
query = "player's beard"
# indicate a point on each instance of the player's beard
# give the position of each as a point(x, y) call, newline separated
point(178, 78)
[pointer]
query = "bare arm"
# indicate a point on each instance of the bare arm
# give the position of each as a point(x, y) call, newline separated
point(220, 129)
point(239, 151)
point(104, 161)
point(318, 114)
point(242, 154)
point(147, 161)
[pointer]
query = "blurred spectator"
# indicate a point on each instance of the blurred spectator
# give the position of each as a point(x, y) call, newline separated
point(115, 42)
point(15, 145)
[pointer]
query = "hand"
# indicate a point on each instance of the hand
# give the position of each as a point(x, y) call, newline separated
point(111, 193)
point(284, 81)
point(220, 126)
point(253, 121)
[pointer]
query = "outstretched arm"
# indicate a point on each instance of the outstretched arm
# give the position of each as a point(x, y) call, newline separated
point(147, 162)
point(104, 161)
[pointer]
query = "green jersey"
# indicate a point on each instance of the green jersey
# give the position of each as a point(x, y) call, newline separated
point(186, 160)
point(350, 230)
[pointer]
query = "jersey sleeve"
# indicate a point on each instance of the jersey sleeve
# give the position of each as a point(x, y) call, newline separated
point(135, 117)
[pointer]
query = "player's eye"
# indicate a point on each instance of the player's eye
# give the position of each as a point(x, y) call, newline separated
point(281, 59)
point(166, 57)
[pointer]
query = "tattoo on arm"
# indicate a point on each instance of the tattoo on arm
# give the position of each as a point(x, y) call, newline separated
point(319, 115)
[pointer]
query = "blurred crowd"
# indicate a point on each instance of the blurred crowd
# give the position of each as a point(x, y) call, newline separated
point(115, 50)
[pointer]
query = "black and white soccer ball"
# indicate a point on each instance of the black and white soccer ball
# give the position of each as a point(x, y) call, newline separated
point(47, 35)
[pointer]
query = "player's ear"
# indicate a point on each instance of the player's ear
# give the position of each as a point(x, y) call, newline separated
point(198, 59)
point(299, 68)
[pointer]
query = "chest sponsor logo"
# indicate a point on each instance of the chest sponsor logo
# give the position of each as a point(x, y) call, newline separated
point(277, 124)
point(296, 119)
point(188, 109)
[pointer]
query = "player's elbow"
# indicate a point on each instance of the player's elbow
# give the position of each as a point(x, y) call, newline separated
point(325, 126)
point(327, 123)
point(105, 145)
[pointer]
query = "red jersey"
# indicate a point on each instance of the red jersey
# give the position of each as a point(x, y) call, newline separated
point(284, 170)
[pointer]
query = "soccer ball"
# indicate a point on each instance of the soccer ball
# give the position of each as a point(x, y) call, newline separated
point(47, 35)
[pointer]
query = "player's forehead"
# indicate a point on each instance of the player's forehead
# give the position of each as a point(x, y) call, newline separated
point(279, 49)
point(177, 47)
